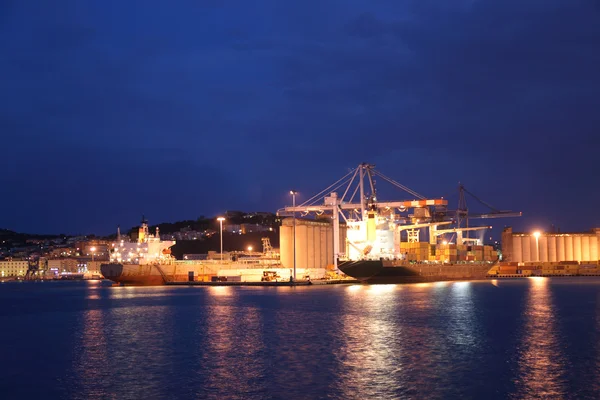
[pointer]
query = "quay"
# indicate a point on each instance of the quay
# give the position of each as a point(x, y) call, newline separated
point(271, 283)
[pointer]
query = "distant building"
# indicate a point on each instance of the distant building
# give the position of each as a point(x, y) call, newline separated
point(63, 265)
point(62, 252)
point(247, 228)
point(262, 214)
point(13, 268)
point(99, 249)
point(233, 228)
point(85, 264)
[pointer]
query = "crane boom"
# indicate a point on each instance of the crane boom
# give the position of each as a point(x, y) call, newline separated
point(475, 228)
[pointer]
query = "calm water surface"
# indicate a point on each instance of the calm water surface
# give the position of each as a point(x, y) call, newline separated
point(523, 338)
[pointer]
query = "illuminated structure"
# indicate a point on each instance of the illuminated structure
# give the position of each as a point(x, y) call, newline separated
point(148, 261)
point(550, 247)
point(10, 268)
point(384, 236)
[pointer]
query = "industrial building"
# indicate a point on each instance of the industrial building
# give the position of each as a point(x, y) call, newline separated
point(314, 243)
point(550, 247)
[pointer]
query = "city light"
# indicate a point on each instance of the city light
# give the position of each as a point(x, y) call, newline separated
point(221, 219)
point(536, 234)
point(249, 248)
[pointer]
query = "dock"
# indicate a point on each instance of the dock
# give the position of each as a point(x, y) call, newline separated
point(280, 284)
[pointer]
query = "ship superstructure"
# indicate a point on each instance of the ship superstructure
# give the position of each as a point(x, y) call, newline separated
point(147, 249)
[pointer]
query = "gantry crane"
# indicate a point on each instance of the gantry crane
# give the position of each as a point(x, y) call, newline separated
point(429, 213)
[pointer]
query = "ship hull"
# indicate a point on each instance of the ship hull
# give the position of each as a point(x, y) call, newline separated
point(396, 271)
point(160, 274)
point(138, 275)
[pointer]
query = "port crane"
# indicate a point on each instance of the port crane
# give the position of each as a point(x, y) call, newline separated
point(426, 213)
point(461, 214)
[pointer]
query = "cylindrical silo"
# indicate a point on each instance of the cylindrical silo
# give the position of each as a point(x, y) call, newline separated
point(285, 246)
point(585, 248)
point(324, 249)
point(318, 250)
point(534, 251)
point(569, 248)
point(594, 248)
point(517, 249)
point(552, 249)
point(577, 248)
point(301, 247)
point(543, 248)
point(329, 239)
point(560, 248)
point(526, 248)
point(310, 244)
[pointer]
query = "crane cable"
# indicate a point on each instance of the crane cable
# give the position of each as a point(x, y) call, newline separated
point(307, 202)
point(399, 185)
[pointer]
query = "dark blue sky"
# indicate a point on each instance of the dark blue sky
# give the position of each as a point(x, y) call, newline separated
point(112, 109)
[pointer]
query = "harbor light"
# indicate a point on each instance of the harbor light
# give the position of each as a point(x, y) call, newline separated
point(294, 193)
point(221, 219)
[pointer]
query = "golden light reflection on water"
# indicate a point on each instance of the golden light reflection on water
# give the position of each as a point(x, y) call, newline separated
point(220, 290)
point(379, 289)
point(132, 292)
point(422, 285)
point(234, 343)
point(354, 288)
point(371, 350)
point(91, 354)
point(462, 316)
point(541, 362)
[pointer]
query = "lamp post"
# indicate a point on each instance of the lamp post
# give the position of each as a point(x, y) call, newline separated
point(293, 193)
point(537, 245)
point(221, 219)
point(93, 250)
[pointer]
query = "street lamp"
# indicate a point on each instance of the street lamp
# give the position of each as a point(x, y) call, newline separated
point(221, 219)
point(537, 245)
point(93, 250)
point(294, 193)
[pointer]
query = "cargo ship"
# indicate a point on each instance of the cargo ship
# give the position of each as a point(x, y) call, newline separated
point(377, 255)
point(382, 240)
point(401, 271)
point(148, 262)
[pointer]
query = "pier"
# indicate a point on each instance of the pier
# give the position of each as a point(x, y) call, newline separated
point(284, 283)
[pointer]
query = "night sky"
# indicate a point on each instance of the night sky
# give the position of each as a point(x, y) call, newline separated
point(111, 109)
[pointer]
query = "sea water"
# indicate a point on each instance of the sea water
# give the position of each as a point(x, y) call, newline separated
point(518, 338)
